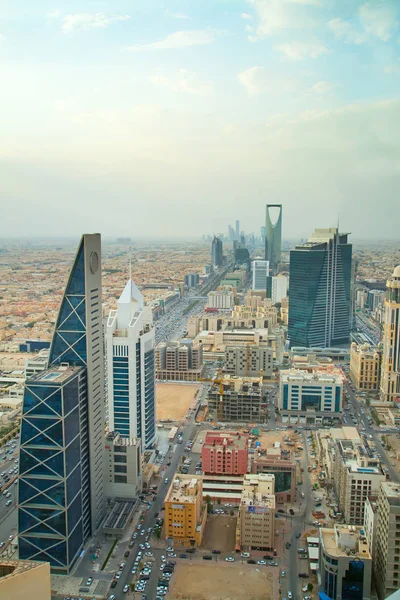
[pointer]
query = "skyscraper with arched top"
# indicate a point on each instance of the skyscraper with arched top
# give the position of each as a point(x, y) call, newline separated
point(273, 237)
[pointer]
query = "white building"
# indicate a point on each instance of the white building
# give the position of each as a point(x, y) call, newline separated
point(223, 299)
point(390, 367)
point(122, 467)
point(130, 345)
point(311, 397)
point(260, 269)
point(37, 363)
point(279, 288)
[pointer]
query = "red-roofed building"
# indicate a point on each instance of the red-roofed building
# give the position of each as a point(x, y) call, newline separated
point(225, 453)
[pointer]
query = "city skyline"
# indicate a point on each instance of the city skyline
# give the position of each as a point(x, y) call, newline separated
point(268, 101)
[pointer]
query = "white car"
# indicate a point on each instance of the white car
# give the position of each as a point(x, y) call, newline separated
point(229, 559)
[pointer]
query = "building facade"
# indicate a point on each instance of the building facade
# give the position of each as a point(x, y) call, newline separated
point(390, 373)
point(222, 299)
point(130, 345)
point(260, 272)
point(249, 361)
point(179, 361)
point(273, 237)
point(61, 500)
point(320, 291)
point(279, 288)
point(345, 563)
point(225, 453)
point(122, 466)
point(185, 511)
point(365, 364)
point(387, 547)
point(37, 363)
point(310, 397)
point(216, 252)
point(256, 518)
point(283, 468)
point(236, 399)
point(24, 579)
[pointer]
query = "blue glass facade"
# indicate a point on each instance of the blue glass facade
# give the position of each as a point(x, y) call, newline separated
point(320, 302)
point(149, 397)
point(51, 519)
point(121, 395)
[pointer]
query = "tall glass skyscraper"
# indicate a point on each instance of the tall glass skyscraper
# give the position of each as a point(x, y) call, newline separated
point(216, 252)
point(273, 237)
point(61, 498)
point(320, 290)
point(130, 346)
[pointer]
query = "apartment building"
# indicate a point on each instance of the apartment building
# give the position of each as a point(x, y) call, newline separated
point(249, 361)
point(390, 373)
point(225, 453)
point(214, 342)
point(387, 549)
point(122, 466)
point(185, 511)
point(179, 361)
point(345, 563)
point(223, 298)
point(365, 364)
point(262, 316)
point(236, 399)
point(256, 518)
point(311, 397)
point(356, 476)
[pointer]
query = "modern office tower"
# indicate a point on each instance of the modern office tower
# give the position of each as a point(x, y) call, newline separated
point(390, 373)
point(262, 234)
point(387, 545)
point(216, 252)
point(365, 363)
point(256, 518)
point(231, 233)
point(249, 361)
point(185, 511)
point(237, 231)
point(320, 299)
point(260, 272)
point(61, 500)
point(130, 345)
point(345, 563)
point(311, 397)
point(273, 237)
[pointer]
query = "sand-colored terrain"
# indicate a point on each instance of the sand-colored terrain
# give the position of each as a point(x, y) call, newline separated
point(174, 399)
point(216, 581)
point(220, 533)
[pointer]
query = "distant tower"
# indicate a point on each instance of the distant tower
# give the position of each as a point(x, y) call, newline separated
point(390, 373)
point(216, 252)
point(130, 368)
point(273, 237)
point(260, 275)
point(237, 232)
point(61, 501)
point(320, 290)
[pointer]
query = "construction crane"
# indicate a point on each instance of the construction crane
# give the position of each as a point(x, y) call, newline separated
point(220, 380)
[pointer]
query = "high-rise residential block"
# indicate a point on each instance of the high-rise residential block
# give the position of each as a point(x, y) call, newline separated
point(222, 299)
point(390, 371)
point(61, 500)
point(260, 273)
point(225, 453)
point(236, 399)
point(185, 511)
point(256, 518)
point(365, 364)
point(279, 288)
point(273, 237)
point(179, 361)
point(320, 291)
point(130, 345)
point(217, 252)
point(249, 361)
point(387, 545)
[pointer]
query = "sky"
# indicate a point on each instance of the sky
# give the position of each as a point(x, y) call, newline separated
point(177, 117)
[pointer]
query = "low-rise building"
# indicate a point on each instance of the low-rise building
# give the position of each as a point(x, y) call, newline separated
point(255, 524)
point(249, 361)
point(387, 547)
point(122, 466)
point(185, 511)
point(365, 364)
point(311, 397)
point(345, 563)
point(236, 399)
point(37, 363)
point(214, 342)
point(225, 453)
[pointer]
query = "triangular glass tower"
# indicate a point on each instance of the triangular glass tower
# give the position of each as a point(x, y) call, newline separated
point(60, 497)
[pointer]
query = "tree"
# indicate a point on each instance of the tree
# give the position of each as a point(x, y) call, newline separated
point(219, 501)
point(310, 587)
point(208, 499)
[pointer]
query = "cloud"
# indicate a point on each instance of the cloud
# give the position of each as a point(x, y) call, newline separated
point(300, 51)
point(258, 80)
point(54, 14)
point(345, 31)
point(179, 16)
point(180, 39)
point(379, 19)
point(184, 81)
point(246, 16)
point(85, 21)
point(275, 16)
point(320, 88)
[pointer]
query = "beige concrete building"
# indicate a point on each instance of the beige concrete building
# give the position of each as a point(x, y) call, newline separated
point(281, 464)
point(214, 342)
point(185, 511)
point(345, 563)
point(365, 363)
point(177, 361)
point(122, 466)
point(387, 548)
point(262, 316)
point(390, 370)
point(249, 361)
point(22, 579)
point(256, 518)
point(222, 299)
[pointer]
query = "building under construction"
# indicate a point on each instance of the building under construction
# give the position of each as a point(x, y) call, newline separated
point(236, 399)
point(249, 361)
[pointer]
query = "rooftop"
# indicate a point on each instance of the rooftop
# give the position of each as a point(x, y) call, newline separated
point(392, 492)
point(184, 488)
point(113, 437)
point(345, 541)
point(334, 375)
point(232, 439)
point(57, 374)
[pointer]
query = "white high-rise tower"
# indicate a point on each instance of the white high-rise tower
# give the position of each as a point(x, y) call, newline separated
point(130, 345)
point(390, 374)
